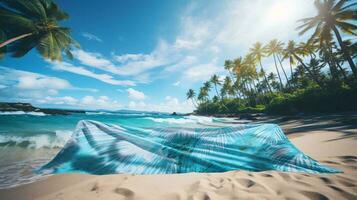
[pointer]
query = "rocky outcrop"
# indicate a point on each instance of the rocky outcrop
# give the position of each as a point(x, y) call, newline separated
point(27, 107)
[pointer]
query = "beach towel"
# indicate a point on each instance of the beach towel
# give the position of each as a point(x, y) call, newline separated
point(97, 148)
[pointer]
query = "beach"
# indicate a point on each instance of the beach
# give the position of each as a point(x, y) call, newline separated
point(331, 140)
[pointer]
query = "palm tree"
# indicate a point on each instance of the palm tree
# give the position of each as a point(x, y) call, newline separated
point(227, 87)
point(331, 17)
point(191, 95)
point(292, 52)
point(257, 52)
point(215, 80)
point(287, 55)
point(203, 95)
point(273, 48)
point(229, 66)
point(28, 24)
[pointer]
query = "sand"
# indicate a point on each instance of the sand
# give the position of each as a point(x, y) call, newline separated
point(329, 141)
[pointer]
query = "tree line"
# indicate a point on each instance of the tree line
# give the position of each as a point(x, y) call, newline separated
point(321, 76)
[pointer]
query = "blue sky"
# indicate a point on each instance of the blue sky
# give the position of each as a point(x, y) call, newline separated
point(145, 55)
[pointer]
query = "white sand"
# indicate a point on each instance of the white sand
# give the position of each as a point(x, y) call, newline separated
point(333, 146)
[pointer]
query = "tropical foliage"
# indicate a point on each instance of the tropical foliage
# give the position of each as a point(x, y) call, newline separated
point(25, 25)
point(318, 75)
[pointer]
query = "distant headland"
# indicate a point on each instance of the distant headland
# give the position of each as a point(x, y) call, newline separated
point(27, 107)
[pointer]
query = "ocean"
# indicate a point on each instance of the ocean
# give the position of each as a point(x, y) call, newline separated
point(29, 140)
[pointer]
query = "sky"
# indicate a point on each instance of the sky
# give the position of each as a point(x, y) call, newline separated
point(145, 55)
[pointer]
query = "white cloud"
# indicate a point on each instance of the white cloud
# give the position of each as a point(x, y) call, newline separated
point(66, 100)
point(177, 83)
point(37, 81)
point(130, 57)
point(135, 94)
point(201, 72)
point(24, 80)
point(136, 64)
point(91, 59)
point(63, 66)
point(86, 102)
point(170, 104)
point(91, 36)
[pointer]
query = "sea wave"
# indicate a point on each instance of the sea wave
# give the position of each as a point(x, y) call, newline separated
point(22, 113)
point(117, 114)
point(58, 140)
point(184, 120)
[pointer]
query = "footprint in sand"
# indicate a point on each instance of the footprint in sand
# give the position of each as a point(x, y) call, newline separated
point(314, 195)
point(199, 196)
point(245, 182)
point(343, 193)
point(95, 187)
point(124, 192)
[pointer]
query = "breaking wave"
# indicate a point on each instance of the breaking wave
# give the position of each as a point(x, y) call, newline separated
point(185, 120)
point(22, 113)
point(57, 140)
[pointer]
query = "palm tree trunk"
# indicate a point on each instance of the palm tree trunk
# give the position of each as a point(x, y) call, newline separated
point(265, 77)
point(345, 52)
point(282, 68)
point(9, 41)
point(193, 102)
point(277, 70)
point(309, 71)
point(215, 88)
point(342, 72)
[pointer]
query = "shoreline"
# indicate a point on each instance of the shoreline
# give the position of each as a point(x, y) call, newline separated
point(315, 136)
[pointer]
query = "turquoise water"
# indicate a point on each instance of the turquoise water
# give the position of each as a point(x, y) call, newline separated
point(140, 143)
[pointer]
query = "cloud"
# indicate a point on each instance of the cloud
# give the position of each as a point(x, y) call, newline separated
point(90, 36)
point(24, 80)
point(91, 59)
point(19, 85)
point(37, 81)
point(86, 102)
point(63, 66)
point(66, 100)
point(169, 104)
point(177, 83)
point(201, 72)
point(136, 64)
point(135, 94)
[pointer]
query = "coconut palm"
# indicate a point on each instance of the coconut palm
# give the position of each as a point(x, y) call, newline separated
point(274, 47)
point(215, 81)
point(288, 55)
point(332, 16)
point(292, 52)
point(229, 66)
point(203, 95)
point(191, 95)
point(257, 52)
point(26, 24)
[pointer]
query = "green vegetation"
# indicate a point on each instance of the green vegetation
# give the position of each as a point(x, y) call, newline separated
point(25, 25)
point(322, 78)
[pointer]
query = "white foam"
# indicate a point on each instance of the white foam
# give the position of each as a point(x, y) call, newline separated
point(97, 113)
point(22, 113)
point(39, 141)
point(184, 120)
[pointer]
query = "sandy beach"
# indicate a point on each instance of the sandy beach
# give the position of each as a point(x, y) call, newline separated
point(330, 140)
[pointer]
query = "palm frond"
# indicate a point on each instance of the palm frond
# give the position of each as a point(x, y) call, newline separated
point(347, 27)
point(22, 47)
point(339, 5)
point(349, 6)
point(346, 15)
point(8, 18)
